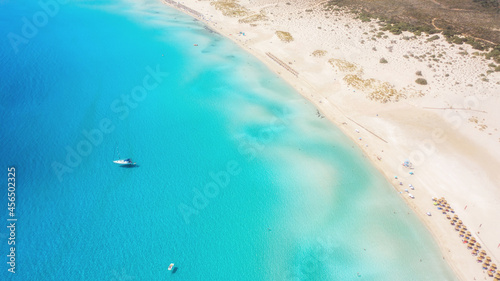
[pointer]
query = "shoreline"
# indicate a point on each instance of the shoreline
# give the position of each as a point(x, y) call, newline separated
point(450, 152)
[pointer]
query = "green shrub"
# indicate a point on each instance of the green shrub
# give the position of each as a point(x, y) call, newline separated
point(383, 60)
point(435, 37)
point(458, 40)
point(365, 17)
point(478, 46)
point(421, 81)
point(449, 33)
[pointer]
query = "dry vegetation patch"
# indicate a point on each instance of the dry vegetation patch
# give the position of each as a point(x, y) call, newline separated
point(377, 90)
point(230, 8)
point(284, 36)
point(254, 18)
point(344, 65)
point(319, 53)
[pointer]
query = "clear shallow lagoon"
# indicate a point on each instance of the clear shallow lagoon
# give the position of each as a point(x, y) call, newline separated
point(295, 200)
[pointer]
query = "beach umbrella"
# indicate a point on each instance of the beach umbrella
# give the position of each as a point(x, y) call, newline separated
point(488, 258)
point(448, 217)
point(464, 227)
point(468, 232)
point(478, 245)
point(459, 221)
point(493, 266)
point(485, 266)
point(490, 274)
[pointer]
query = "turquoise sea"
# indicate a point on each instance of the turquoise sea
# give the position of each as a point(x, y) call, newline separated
point(237, 176)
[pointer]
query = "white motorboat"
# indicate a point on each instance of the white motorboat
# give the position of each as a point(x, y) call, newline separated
point(124, 162)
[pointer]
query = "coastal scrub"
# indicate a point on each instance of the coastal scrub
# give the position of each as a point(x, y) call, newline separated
point(284, 36)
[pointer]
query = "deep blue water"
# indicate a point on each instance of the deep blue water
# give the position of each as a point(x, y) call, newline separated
point(237, 178)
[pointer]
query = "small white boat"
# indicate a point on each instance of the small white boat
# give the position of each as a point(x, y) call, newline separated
point(429, 214)
point(171, 266)
point(411, 195)
point(124, 162)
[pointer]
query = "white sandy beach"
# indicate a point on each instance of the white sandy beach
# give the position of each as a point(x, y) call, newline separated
point(448, 128)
